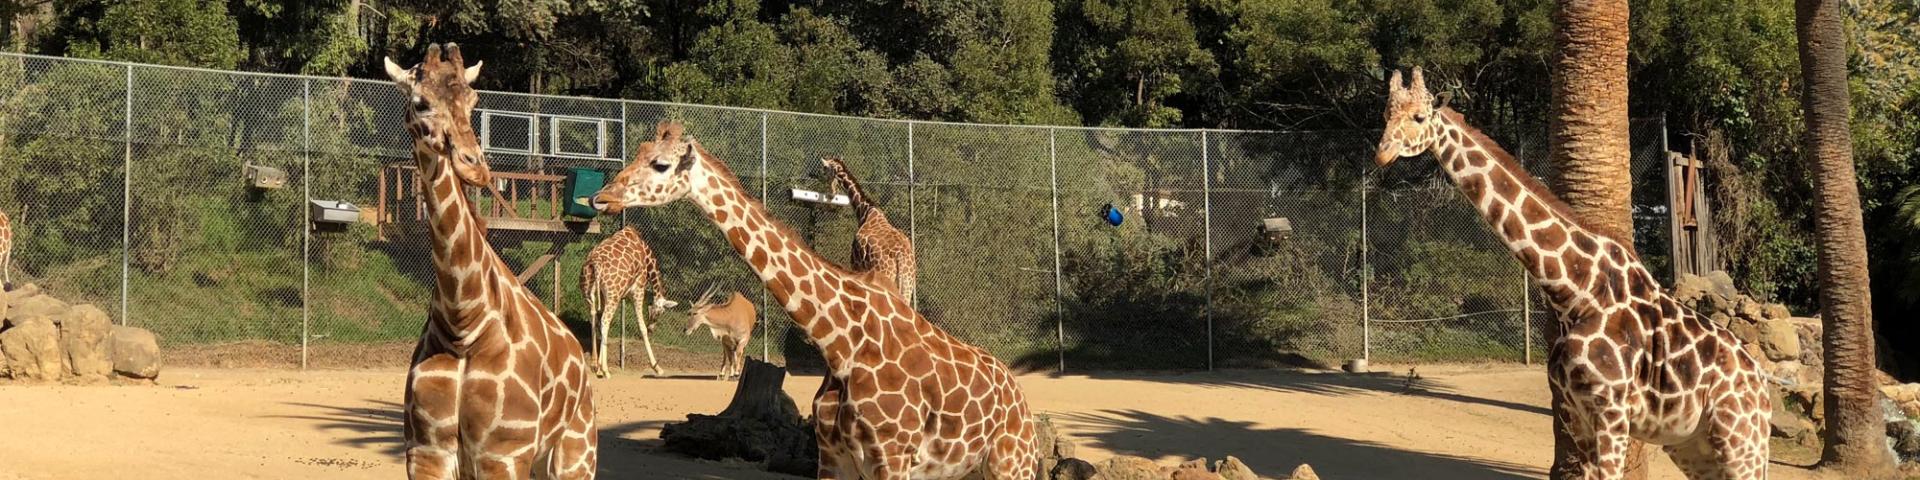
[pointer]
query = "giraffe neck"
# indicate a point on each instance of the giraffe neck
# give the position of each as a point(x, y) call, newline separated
point(797, 277)
point(463, 261)
point(862, 205)
point(1536, 226)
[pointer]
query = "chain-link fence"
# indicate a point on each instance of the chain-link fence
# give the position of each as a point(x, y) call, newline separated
point(127, 184)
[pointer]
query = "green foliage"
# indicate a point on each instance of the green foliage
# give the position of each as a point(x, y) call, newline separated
point(196, 33)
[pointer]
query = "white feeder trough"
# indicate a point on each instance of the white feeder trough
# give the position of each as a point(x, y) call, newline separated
point(810, 196)
point(333, 212)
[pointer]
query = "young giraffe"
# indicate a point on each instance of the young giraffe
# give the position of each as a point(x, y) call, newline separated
point(622, 267)
point(6, 250)
point(1630, 360)
point(877, 245)
point(498, 387)
point(902, 398)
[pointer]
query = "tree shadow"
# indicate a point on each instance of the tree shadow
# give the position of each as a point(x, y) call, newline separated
point(377, 427)
point(1275, 451)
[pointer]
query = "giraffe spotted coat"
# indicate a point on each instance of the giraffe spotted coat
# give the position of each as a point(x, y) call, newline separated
point(498, 387)
point(902, 398)
point(619, 268)
point(1630, 361)
point(877, 245)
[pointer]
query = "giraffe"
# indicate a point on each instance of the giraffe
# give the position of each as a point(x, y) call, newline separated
point(902, 398)
point(622, 267)
point(877, 245)
point(6, 249)
point(499, 386)
point(1630, 361)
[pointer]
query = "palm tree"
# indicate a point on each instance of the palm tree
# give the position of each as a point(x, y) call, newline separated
point(1588, 140)
point(1854, 434)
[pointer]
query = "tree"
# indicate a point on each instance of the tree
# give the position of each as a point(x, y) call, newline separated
point(1588, 139)
point(1854, 434)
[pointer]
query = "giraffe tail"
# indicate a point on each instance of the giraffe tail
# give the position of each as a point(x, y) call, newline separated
point(659, 286)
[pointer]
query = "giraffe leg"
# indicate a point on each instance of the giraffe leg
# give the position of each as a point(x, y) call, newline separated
point(640, 315)
point(431, 421)
point(1611, 438)
point(1013, 458)
point(1732, 443)
point(603, 318)
point(827, 404)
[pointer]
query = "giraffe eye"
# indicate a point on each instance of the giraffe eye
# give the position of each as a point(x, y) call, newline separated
point(661, 167)
point(1420, 117)
point(421, 106)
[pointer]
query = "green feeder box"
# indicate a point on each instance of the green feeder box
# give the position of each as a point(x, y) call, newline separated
point(582, 184)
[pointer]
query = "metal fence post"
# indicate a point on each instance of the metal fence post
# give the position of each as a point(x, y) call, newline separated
point(1366, 280)
point(1059, 310)
point(306, 222)
point(913, 221)
point(126, 198)
point(766, 331)
point(1206, 200)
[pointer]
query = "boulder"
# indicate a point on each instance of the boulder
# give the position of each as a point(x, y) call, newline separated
point(1233, 469)
point(83, 335)
point(1749, 309)
point(32, 348)
point(1072, 469)
point(1063, 447)
point(1775, 311)
point(1906, 398)
point(1780, 340)
point(1810, 338)
point(1722, 283)
point(1690, 288)
point(22, 291)
point(35, 306)
point(1128, 467)
point(1905, 437)
point(1304, 472)
point(1717, 304)
point(1195, 469)
point(1747, 332)
point(134, 352)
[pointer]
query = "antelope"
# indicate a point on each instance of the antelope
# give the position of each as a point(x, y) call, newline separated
point(731, 323)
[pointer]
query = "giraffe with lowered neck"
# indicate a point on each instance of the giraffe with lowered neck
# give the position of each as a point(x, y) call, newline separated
point(1630, 361)
point(618, 268)
point(902, 398)
point(877, 245)
point(498, 387)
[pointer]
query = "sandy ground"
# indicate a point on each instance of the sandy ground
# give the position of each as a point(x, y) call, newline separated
point(1455, 423)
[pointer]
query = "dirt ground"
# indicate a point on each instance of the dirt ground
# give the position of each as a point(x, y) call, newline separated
point(1460, 422)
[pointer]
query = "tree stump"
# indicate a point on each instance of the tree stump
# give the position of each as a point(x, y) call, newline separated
point(761, 424)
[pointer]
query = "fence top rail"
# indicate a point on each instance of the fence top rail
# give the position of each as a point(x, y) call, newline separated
point(647, 102)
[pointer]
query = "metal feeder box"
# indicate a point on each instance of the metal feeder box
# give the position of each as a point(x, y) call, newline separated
point(264, 177)
point(333, 212)
point(1276, 229)
point(582, 184)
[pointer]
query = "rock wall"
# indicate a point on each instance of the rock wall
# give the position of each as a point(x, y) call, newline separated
point(44, 339)
point(1789, 347)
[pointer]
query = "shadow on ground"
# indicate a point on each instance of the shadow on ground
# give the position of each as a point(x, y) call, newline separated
point(1317, 383)
point(1275, 452)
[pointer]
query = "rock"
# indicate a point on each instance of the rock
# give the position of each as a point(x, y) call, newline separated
point(1779, 340)
point(36, 306)
point(1775, 311)
point(1789, 371)
point(1904, 397)
point(1195, 469)
point(1789, 426)
point(134, 352)
point(32, 348)
point(1304, 472)
point(1690, 289)
point(1717, 304)
point(1044, 438)
point(1128, 467)
point(1073, 469)
point(1722, 283)
point(22, 291)
point(1905, 436)
point(1233, 469)
point(1063, 447)
point(1748, 333)
point(1749, 309)
point(83, 335)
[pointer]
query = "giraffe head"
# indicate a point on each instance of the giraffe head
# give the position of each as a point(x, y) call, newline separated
point(1411, 129)
point(657, 175)
point(440, 100)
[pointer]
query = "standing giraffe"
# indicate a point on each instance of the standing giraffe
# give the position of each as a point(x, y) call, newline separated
point(498, 387)
point(1630, 360)
point(877, 245)
point(619, 268)
point(6, 249)
point(902, 398)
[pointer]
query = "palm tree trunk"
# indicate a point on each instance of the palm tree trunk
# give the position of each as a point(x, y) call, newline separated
point(1854, 434)
point(1587, 138)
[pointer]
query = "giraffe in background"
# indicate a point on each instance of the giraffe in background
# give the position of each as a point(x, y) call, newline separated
point(877, 245)
point(619, 268)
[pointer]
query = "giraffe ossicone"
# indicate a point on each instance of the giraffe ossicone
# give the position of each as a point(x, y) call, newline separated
point(902, 398)
point(1630, 360)
point(499, 386)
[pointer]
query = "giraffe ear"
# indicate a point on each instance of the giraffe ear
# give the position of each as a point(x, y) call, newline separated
point(399, 75)
point(473, 73)
point(1393, 83)
point(687, 159)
